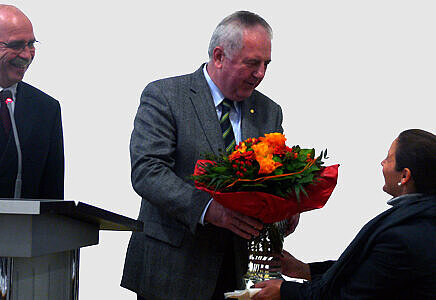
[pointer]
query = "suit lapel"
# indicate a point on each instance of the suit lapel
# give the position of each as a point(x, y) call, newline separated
point(24, 112)
point(8, 157)
point(248, 119)
point(24, 121)
point(204, 108)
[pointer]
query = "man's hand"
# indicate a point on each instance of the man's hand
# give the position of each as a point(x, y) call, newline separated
point(245, 227)
point(292, 224)
point(270, 290)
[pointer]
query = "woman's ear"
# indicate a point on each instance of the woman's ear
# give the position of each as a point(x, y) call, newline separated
point(407, 181)
point(406, 176)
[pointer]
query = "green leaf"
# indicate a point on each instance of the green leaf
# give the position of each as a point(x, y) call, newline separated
point(219, 170)
point(304, 191)
point(278, 172)
point(307, 179)
point(312, 153)
point(297, 192)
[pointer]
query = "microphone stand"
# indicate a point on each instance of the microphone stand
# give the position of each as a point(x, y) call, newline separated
point(17, 192)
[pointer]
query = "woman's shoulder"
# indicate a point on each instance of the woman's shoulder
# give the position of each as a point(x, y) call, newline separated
point(414, 237)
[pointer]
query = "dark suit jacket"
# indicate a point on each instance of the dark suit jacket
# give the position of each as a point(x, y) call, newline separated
point(392, 257)
point(38, 119)
point(176, 257)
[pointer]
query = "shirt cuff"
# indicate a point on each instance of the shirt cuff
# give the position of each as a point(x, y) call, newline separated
point(204, 213)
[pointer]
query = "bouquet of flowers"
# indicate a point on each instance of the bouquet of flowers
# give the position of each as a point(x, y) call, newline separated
point(265, 179)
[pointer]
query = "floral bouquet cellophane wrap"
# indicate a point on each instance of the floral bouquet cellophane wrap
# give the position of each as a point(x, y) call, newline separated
point(265, 179)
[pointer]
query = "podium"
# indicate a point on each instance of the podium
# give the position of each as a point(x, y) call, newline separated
point(40, 243)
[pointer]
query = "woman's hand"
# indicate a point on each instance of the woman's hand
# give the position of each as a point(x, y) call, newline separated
point(286, 264)
point(270, 290)
point(292, 267)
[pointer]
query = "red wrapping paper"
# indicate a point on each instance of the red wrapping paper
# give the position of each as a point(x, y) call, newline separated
point(269, 208)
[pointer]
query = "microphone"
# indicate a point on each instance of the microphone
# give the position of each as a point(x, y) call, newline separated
point(9, 102)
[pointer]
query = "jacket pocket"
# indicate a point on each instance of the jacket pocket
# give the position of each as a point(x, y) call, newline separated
point(164, 233)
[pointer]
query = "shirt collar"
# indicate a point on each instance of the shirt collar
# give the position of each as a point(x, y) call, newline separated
point(12, 88)
point(217, 96)
point(401, 199)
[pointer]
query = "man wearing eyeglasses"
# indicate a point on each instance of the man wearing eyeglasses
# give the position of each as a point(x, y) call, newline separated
point(35, 116)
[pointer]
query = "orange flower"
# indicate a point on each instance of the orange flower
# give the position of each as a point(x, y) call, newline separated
point(264, 156)
point(274, 139)
point(261, 149)
point(240, 149)
point(267, 164)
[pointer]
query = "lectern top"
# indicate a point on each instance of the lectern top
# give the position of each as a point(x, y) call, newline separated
point(77, 210)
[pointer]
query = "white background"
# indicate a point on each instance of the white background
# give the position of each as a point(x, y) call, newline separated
point(349, 75)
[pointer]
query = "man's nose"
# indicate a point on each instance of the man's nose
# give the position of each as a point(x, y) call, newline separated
point(260, 72)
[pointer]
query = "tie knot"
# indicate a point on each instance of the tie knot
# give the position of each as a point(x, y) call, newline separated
point(5, 95)
point(227, 103)
point(2, 96)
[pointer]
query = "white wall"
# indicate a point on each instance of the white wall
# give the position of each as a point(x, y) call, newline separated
point(349, 75)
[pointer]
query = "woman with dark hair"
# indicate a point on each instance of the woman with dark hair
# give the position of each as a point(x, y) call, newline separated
point(394, 255)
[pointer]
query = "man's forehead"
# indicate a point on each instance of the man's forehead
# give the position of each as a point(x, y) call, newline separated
point(16, 30)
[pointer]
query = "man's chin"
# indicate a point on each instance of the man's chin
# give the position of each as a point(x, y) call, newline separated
point(244, 95)
point(18, 76)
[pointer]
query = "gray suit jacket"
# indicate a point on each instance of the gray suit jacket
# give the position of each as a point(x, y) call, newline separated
point(176, 257)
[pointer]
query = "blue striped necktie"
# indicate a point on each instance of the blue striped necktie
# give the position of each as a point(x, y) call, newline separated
point(226, 126)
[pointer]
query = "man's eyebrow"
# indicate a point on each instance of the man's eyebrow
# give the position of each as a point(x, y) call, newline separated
point(21, 41)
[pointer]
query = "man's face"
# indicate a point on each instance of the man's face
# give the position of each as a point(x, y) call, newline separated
point(242, 73)
point(14, 30)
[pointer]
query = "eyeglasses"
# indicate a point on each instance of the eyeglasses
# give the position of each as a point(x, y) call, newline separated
point(19, 45)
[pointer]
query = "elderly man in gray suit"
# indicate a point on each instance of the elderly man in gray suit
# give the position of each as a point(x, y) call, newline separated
point(192, 247)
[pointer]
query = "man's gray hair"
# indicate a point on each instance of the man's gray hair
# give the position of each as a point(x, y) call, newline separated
point(229, 32)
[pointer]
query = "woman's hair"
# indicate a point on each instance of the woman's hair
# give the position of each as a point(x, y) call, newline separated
point(229, 31)
point(416, 150)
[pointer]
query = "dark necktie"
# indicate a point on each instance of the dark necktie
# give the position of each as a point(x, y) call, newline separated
point(226, 126)
point(4, 112)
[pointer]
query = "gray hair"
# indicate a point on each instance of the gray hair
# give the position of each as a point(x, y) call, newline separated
point(229, 31)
